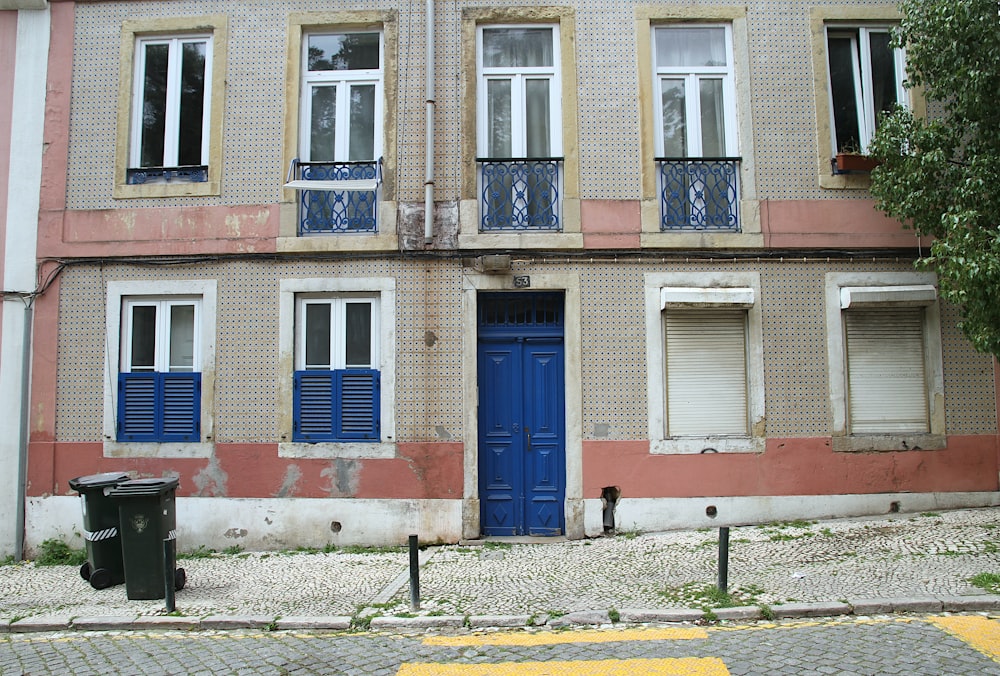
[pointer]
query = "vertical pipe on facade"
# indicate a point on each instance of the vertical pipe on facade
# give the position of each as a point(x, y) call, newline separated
point(22, 440)
point(429, 130)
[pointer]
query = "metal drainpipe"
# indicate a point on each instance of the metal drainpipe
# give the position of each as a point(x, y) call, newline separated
point(22, 441)
point(429, 131)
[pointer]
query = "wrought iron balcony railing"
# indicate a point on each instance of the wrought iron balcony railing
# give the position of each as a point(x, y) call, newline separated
point(336, 197)
point(699, 193)
point(190, 174)
point(519, 194)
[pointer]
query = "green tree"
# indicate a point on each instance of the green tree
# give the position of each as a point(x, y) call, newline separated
point(941, 175)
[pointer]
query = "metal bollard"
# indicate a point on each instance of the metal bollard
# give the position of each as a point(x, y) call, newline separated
point(724, 559)
point(168, 575)
point(414, 574)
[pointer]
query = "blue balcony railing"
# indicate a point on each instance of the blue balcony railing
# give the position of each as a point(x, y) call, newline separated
point(345, 199)
point(519, 194)
point(699, 193)
point(190, 174)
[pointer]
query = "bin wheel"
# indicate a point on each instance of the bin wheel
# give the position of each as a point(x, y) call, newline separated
point(180, 579)
point(85, 571)
point(100, 578)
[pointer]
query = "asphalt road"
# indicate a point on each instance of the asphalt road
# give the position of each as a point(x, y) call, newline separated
point(932, 645)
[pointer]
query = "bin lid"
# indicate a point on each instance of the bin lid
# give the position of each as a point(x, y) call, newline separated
point(97, 480)
point(144, 487)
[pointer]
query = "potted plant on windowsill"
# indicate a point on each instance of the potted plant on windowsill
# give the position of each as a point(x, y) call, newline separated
point(852, 160)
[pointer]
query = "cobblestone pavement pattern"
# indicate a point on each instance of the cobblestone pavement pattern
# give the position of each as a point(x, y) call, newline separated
point(907, 555)
point(847, 646)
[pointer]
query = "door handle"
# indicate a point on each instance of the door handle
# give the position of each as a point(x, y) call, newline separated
point(528, 430)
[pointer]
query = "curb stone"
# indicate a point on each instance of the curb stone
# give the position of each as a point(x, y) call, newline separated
point(153, 622)
point(422, 622)
point(971, 603)
point(504, 621)
point(581, 617)
point(792, 610)
point(640, 616)
point(106, 623)
point(41, 623)
point(916, 604)
point(337, 622)
point(236, 621)
point(738, 613)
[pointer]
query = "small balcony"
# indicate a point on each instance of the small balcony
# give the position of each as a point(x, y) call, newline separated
point(520, 194)
point(699, 194)
point(336, 197)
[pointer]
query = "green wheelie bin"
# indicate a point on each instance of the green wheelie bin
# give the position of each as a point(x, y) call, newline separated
point(104, 566)
point(146, 509)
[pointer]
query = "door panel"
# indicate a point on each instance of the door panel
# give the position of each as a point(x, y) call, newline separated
point(522, 423)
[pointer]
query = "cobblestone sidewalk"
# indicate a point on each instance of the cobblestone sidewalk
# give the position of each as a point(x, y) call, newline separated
point(910, 562)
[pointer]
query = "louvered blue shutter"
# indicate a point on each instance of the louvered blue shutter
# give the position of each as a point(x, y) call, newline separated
point(181, 407)
point(159, 407)
point(358, 394)
point(137, 406)
point(313, 406)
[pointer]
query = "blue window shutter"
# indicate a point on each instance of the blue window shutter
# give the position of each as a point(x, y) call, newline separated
point(159, 407)
point(137, 406)
point(313, 406)
point(358, 394)
point(181, 409)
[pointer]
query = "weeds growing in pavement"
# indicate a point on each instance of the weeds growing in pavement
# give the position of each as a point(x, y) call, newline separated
point(57, 553)
point(708, 596)
point(988, 581)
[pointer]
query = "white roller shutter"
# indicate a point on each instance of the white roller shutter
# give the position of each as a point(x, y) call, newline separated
point(706, 372)
point(885, 370)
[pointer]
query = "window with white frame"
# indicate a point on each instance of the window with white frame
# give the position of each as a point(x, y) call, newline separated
point(704, 351)
point(336, 381)
point(519, 133)
point(885, 366)
point(159, 383)
point(340, 131)
point(695, 90)
point(866, 80)
point(171, 108)
point(341, 92)
point(696, 134)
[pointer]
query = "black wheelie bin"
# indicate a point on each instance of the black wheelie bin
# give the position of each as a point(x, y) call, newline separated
point(104, 566)
point(149, 536)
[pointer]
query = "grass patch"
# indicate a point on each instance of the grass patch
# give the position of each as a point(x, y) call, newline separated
point(614, 615)
point(708, 596)
point(784, 537)
point(988, 581)
point(199, 552)
point(233, 549)
point(9, 560)
point(58, 553)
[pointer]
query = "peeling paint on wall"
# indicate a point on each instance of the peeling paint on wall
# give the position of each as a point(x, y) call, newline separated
point(211, 481)
point(343, 474)
point(290, 483)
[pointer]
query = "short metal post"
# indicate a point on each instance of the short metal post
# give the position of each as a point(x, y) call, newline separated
point(724, 559)
point(168, 575)
point(414, 574)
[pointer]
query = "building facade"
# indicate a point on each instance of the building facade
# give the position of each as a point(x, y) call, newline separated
point(643, 295)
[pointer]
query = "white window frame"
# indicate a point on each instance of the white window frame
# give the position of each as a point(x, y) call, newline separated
point(118, 294)
point(863, 82)
point(338, 319)
point(163, 307)
point(384, 333)
point(343, 80)
point(692, 77)
point(518, 77)
point(703, 290)
point(172, 103)
point(884, 290)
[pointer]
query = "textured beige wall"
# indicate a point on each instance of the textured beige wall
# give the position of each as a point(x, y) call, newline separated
point(607, 105)
point(429, 345)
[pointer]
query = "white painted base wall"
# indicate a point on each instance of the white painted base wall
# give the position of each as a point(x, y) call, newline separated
point(660, 514)
point(270, 524)
point(258, 524)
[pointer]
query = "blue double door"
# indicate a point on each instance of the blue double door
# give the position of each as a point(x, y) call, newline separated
point(522, 438)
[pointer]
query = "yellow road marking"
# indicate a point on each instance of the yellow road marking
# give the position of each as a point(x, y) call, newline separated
point(981, 633)
point(584, 636)
point(692, 666)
